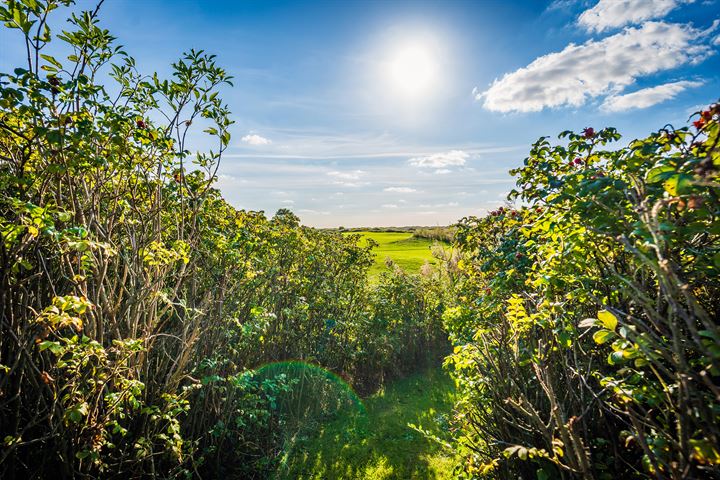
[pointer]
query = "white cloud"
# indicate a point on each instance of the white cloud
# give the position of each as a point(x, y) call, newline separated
point(400, 189)
point(440, 205)
point(228, 183)
point(596, 68)
point(348, 179)
point(646, 97)
point(352, 175)
point(452, 158)
point(389, 205)
point(313, 212)
point(561, 5)
point(442, 171)
point(607, 14)
point(253, 139)
point(288, 202)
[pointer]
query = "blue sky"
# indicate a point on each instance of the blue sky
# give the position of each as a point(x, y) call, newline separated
point(411, 113)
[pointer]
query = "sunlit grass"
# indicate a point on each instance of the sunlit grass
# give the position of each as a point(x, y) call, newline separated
point(408, 252)
point(378, 443)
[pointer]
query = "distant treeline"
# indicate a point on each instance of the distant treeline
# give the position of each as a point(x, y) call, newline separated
point(440, 234)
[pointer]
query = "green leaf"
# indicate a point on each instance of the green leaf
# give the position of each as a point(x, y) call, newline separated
point(51, 59)
point(602, 336)
point(641, 362)
point(659, 174)
point(54, 347)
point(616, 357)
point(608, 320)
point(82, 454)
point(677, 184)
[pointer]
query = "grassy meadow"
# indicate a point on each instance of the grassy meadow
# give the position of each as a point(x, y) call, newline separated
point(403, 248)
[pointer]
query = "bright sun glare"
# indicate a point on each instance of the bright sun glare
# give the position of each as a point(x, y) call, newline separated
point(411, 68)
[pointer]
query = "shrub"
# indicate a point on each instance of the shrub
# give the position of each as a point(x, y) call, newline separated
point(587, 342)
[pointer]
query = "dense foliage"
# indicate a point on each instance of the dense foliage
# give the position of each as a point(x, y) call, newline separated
point(145, 323)
point(136, 304)
point(586, 329)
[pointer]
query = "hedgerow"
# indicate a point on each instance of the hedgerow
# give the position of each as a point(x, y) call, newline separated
point(586, 328)
point(137, 306)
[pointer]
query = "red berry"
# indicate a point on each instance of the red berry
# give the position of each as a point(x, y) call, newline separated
point(589, 132)
point(578, 161)
point(699, 124)
point(706, 115)
point(518, 255)
point(140, 124)
point(538, 210)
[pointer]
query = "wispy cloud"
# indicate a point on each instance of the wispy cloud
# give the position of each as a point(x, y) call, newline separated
point(596, 68)
point(348, 179)
point(440, 205)
point(255, 140)
point(399, 189)
point(352, 175)
point(608, 14)
point(647, 97)
point(453, 158)
point(313, 212)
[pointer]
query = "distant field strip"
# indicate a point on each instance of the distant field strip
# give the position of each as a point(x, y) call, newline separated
point(406, 251)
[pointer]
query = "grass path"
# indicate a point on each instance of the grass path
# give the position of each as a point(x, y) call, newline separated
point(377, 443)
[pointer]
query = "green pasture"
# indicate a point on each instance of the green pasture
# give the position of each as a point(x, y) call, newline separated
point(407, 251)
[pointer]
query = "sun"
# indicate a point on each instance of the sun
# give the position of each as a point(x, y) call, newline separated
point(411, 68)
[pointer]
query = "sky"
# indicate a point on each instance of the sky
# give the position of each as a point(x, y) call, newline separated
point(392, 113)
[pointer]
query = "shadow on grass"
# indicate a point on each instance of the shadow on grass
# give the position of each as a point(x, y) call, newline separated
point(377, 443)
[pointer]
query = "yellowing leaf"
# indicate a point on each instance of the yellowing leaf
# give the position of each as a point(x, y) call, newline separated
point(677, 184)
point(602, 336)
point(608, 320)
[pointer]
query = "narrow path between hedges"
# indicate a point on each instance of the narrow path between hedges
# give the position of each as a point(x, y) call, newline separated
point(378, 443)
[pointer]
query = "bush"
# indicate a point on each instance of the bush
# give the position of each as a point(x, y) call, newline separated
point(587, 342)
point(138, 307)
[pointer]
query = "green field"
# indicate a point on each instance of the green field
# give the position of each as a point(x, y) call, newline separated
point(378, 443)
point(408, 252)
